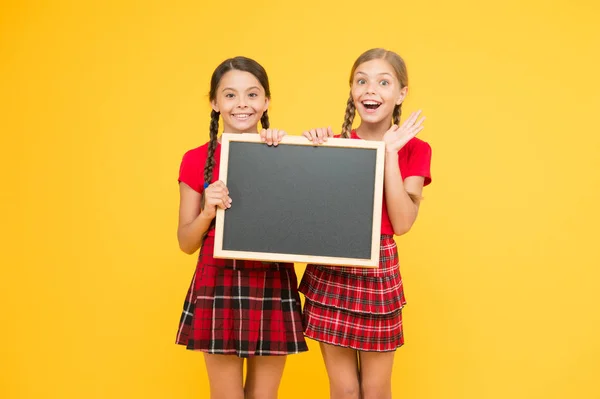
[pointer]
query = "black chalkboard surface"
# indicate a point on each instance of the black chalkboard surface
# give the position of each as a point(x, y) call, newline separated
point(301, 203)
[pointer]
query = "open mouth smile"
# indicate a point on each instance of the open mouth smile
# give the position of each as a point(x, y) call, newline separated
point(371, 105)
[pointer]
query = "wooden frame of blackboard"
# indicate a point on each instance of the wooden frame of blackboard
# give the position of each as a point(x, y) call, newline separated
point(377, 191)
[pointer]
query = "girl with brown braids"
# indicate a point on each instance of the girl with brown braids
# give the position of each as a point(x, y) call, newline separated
point(234, 309)
point(356, 313)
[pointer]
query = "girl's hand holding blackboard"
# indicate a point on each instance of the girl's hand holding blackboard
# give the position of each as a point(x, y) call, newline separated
point(215, 196)
point(272, 136)
point(396, 137)
point(318, 135)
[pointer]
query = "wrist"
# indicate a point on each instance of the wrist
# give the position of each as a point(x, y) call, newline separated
point(391, 154)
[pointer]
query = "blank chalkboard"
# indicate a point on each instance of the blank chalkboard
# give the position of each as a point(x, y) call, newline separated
point(301, 203)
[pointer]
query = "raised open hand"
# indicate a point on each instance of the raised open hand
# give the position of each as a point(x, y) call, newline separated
point(396, 137)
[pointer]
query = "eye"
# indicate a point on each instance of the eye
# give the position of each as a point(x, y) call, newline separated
point(361, 81)
point(384, 82)
point(229, 95)
point(252, 95)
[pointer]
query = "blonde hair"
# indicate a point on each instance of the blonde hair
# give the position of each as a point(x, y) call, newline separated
point(399, 67)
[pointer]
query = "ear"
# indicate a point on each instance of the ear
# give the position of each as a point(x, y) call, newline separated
point(402, 96)
point(214, 105)
point(267, 102)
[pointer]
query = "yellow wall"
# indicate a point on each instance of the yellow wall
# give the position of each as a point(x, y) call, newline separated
point(99, 102)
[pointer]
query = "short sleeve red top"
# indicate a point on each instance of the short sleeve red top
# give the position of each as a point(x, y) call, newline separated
point(191, 170)
point(414, 159)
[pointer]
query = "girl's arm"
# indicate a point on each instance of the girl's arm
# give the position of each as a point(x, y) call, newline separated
point(401, 197)
point(194, 221)
point(402, 209)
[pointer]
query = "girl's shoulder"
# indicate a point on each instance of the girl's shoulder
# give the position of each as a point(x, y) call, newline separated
point(415, 145)
point(416, 142)
point(192, 164)
point(196, 155)
point(414, 159)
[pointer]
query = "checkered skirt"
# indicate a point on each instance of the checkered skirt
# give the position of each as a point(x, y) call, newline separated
point(355, 307)
point(243, 308)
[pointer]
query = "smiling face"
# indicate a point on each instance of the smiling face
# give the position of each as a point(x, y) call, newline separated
point(376, 90)
point(241, 100)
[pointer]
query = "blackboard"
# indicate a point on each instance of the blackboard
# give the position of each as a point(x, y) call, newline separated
point(301, 203)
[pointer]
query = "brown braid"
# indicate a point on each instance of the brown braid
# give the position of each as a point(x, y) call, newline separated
point(349, 118)
point(396, 114)
point(210, 159)
point(264, 120)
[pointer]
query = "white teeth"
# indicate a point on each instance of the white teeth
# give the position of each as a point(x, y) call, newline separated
point(371, 103)
point(241, 116)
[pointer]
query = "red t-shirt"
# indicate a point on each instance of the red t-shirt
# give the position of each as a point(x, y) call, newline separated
point(414, 159)
point(191, 170)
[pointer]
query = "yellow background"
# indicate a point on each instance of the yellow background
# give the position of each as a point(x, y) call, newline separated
point(100, 101)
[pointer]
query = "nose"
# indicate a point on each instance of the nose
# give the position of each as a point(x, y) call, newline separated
point(242, 102)
point(371, 87)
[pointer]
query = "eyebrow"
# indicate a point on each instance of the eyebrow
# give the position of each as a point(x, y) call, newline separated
point(379, 74)
point(232, 89)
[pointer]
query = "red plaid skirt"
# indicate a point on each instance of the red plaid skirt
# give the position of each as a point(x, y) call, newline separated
point(356, 307)
point(243, 308)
